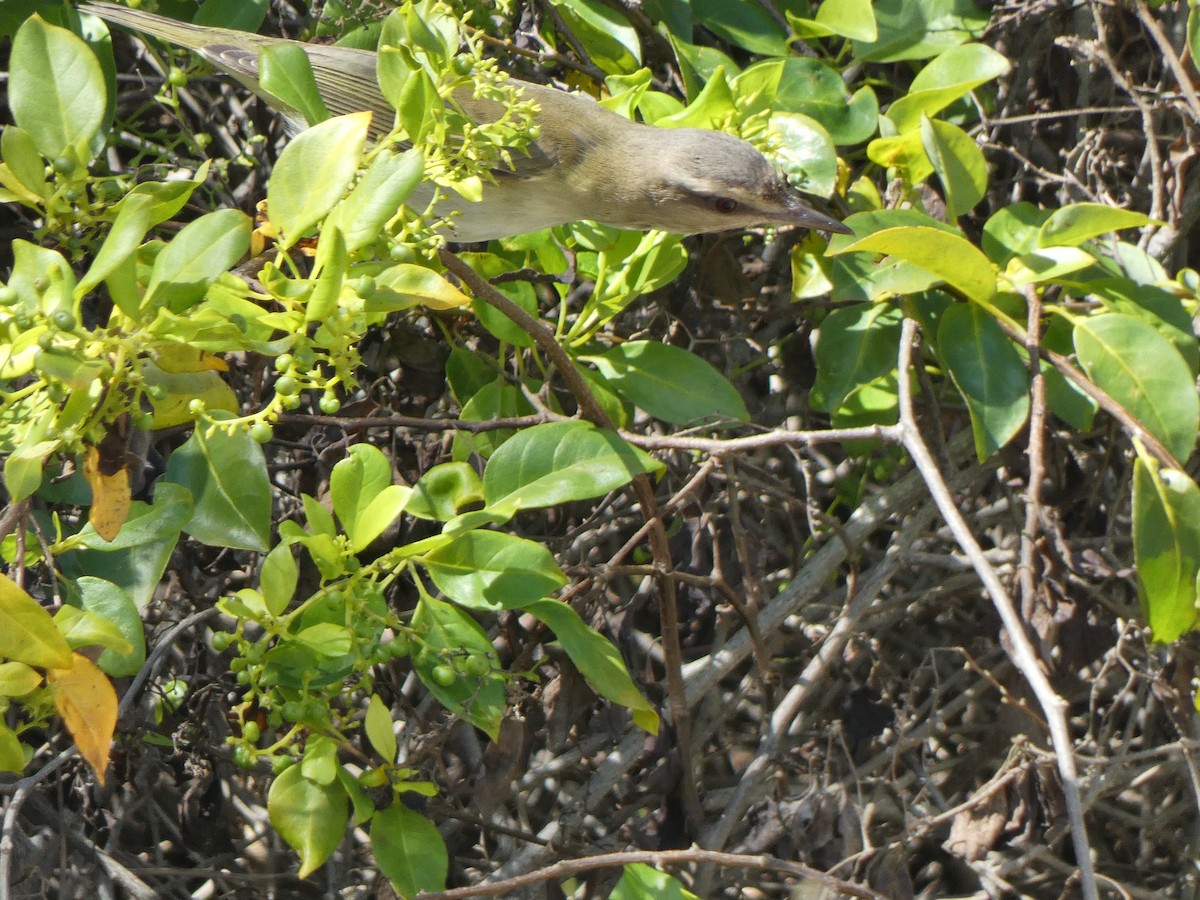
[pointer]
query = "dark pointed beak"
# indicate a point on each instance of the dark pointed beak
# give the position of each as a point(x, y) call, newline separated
point(800, 213)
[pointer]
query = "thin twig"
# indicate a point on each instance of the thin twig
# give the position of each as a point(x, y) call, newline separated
point(1019, 648)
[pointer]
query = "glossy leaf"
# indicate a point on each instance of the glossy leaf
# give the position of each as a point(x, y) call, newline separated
point(379, 729)
point(227, 477)
point(27, 632)
point(446, 629)
point(106, 600)
point(952, 258)
point(56, 89)
point(409, 850)
point(383, 188)
point(81, 628)
point(958, 162)
point(313, 173)
point(1071, 225)
point(285, 72)
point(311, 817)
point(491, 570)
point(1166, 547)
point(855, 345)
point(557, 463)
point(989, 373)
point(364, 498)
point(277, 578)
point(201, 251)
point(18, 679)
point(1141, 370)
point(596, 659)
point(443, 491)
point(406, 285)
point(641, 882)
point(805, 152)
point(669, 383)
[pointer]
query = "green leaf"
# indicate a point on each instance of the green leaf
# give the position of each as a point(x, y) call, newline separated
point(596, 659)
point(1047, 264)
point(136, 558)
point(313, 173)
point(1072, 225)
point(285, 72)
point(952, 258)
point(20, 154)
point(1142, 371)
point(203, 250)
point(311, 817)
point(611, 41)
point(443, 491)
point(227, 476)
point(856, 345)
point(81, 628)
point(405, 285)
point(319, 763)
point(18, 679)
point(326, 639)
point(277, 579)
point(958, 162)
point(27, 632)
point(12, 755)
point(805, 152)
point(380, 729)
point(446, 629)
point(364, 498)
point(989, 373)
point(559, 462)
point(748, 25)
point(918, 29)
point(497, 400)
point(1012, 231)
point(107, 600)
point(134, 219)
point(490, 570)
point(952, 75)
point(55, 89)
point(669, 383)
point(814, 89)
point(329, 274)
point(641, 882)
point(240, 15)
point(387, 183)
point(409, 850)
point(1166, 547)
point(1152, 305)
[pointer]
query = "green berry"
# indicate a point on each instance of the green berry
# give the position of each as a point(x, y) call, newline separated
point(280, 763)
point(251, 732)
point(177, 77)
point(262, 432)
point(244, 756)
point(63, 320)
point(63, 165)
point(8, 295)
point(477, 665)
point(443, 675)
point(286, 386)
point(221, 641)
point(329, 404)
point(284, 361)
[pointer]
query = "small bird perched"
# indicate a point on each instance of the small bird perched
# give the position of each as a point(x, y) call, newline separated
point(586, 163)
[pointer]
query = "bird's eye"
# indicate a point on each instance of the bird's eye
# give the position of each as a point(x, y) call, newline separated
point(725, 205)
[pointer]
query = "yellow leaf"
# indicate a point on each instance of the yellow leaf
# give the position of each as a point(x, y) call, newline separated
point(27, 633)
point(180, 358)
point(111, 496)
point(87, 703)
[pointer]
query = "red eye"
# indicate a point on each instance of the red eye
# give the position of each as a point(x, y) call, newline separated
point(725, 204)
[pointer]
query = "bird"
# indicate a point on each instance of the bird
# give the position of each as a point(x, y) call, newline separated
point(587, 163)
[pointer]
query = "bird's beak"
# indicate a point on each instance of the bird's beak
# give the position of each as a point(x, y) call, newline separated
point(797, 212)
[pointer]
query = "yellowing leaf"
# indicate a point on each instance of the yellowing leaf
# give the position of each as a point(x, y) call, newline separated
point(87, 703)
point(111, 497)
point(27, 633)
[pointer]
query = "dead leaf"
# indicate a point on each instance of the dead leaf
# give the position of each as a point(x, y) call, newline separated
point(87, 702)
point(111, 495)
